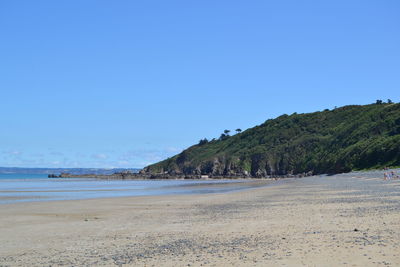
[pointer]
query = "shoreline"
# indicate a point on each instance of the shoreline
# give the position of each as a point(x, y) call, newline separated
point(167, 176)
point(317, 221)
point(176, 176)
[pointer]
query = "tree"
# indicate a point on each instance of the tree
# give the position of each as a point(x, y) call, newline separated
point(390, 101)
point(226, 132)
point(379, 102)
point(238, 130)
point(203, 141)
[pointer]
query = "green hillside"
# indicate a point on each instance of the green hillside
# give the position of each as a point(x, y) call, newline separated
point(332, 141)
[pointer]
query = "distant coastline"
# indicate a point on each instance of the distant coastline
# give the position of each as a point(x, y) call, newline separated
point(72, 171)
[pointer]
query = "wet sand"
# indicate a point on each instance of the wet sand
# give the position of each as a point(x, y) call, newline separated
point(350, 220)
point(45, 189)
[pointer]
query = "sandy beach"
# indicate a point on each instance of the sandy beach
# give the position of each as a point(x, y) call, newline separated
point(342, 220)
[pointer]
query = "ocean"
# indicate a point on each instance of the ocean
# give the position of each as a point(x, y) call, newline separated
point(37, 187)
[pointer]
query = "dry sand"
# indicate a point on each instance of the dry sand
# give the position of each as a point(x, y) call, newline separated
point(351, 220)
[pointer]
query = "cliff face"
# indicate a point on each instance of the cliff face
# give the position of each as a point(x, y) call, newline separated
point(331, 141)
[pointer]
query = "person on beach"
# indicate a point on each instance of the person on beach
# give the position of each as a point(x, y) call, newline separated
point(385, 176)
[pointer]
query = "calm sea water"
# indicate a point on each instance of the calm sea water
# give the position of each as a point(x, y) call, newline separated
point(37, 187)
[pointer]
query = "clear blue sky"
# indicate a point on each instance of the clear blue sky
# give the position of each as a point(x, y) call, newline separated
point(128, 83)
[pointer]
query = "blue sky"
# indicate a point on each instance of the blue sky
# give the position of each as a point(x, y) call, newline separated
point(128, 83)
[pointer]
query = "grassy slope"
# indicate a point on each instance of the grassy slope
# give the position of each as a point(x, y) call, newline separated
point(350, 137)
